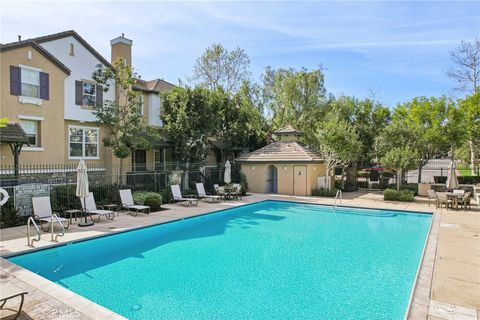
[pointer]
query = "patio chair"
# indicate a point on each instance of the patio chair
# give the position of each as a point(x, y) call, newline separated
point(444, 200)
point(203, 195)
point(90, 207)
point(476, 195)
point(127, 203)
point(465, 201)
point(9, 291)
point(42, 211)
point(177, 196)
point(236, 191)
point(432, 196)
point(220, 191)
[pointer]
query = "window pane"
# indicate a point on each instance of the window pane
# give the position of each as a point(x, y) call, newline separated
point(75, 149)
point(91, 150)
point(32, 140)
point(88, 100)
point(29, 90)
point(91, 136)
point(30, 127)
point(30, 76)
point(88, 88)
point(76, 135)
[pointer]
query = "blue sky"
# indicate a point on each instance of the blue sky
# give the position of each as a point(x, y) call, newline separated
point(392, 50)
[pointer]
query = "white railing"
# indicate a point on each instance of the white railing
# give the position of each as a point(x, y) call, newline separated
point(61, 225)
point(339, 194)
point(31, 220)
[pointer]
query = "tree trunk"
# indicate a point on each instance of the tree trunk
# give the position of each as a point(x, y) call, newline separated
point(420, 167)
point(343, 177)
point(472, 157)
point(120, 180)
point(399, 179)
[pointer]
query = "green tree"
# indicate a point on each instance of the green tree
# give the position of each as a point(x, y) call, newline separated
point(400, 159)
point(368, 116)
point(218, 67)
point(425, 118)
point(189, 120)
point(338, 142)
point(470, 109)
point(3, 122)
point(295, 97)
point(127, 128)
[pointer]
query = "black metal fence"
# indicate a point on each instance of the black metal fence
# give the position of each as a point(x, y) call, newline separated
point(59, 182)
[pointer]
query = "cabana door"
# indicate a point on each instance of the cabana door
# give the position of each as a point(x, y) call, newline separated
point(300, 180)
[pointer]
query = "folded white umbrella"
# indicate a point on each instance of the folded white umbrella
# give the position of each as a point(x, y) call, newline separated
point(82, 186)
point(227, 178)
point(452, 181)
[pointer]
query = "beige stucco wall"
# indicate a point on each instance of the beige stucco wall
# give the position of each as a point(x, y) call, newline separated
point(51, 140)
point(257, 174)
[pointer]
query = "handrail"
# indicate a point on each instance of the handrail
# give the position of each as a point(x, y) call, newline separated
point(63, 228)
point(339, 193)
point(31, 220)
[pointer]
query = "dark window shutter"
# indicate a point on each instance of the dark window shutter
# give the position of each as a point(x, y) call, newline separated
point(78, 93)
point(44, 86)
point(15, 81)
point(99, 93)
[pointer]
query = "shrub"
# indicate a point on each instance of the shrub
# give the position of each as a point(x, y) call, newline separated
point(243, 183)
point(10, 217)
point(140, 197)
point(166, 195)
point(461, 179)
point(401, 195)
point(323, 192)
point(154, 202)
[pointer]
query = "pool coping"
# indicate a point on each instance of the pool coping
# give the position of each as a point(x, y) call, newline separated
point(77, 301)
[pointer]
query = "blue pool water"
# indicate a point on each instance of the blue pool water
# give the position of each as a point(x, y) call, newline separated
point(270, 260)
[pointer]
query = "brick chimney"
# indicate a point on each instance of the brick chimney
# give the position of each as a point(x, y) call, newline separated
point(122, 49)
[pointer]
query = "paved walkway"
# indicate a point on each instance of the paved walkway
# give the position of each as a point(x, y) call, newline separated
point(448, 285)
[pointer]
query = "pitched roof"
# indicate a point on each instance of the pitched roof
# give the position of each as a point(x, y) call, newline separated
point(64, 34)
point(283, 151)
point(155, 85)
point(13, 132)
point(39, 48)
point(288, 129)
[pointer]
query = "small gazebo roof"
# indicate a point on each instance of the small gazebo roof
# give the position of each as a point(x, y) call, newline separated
point(283, 151)
point(288, 129)
point(13, 133)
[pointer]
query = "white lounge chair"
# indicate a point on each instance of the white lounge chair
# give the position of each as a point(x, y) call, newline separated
point(42, 211)
point(91, 208)
point(127, 203)
point(203, 195)
point(177, 196)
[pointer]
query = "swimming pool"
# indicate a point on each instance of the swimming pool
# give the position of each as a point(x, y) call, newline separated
point(269, 260)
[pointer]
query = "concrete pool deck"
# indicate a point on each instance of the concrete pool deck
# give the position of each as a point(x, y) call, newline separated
point(447, 287)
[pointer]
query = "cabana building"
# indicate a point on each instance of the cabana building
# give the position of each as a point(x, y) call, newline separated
point(286, 166)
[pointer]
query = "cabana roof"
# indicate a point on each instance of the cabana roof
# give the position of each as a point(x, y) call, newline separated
point(283, 151)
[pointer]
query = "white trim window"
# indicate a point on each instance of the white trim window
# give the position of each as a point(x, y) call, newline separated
point(82, 142)
point(30, 82)
point(31, 129)
point(89, 94)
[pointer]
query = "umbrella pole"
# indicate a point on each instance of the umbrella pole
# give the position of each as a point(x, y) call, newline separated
point(86, 223)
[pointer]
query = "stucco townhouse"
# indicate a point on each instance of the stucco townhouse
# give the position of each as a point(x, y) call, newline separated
point(47, 88)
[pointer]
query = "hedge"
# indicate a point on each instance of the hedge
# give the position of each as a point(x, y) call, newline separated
point(323, 192)
point(461, 179)
point(402, 195)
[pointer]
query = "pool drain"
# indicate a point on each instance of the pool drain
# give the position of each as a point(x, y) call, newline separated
point(137, 307)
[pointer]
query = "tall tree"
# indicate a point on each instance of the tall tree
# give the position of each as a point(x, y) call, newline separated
point(127, 128)
point(400, 159)
point(470, 109)
point(189, 117)
point(466, 70)
point(296, 97)
point(338, 142)
point(218, 67)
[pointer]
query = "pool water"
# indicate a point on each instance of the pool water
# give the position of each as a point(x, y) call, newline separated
point(269, 260)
